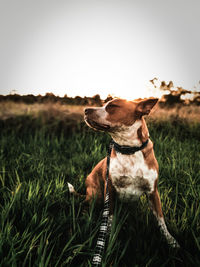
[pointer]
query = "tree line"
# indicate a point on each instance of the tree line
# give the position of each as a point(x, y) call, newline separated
point(50, 97)
point(171, 96)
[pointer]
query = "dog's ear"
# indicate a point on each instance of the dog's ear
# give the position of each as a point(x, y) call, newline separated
point(144, 106)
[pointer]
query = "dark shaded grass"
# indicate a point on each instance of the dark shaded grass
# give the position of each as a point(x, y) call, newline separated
point(41, 225)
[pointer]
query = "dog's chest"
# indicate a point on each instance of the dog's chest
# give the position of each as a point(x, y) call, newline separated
point(131, 176)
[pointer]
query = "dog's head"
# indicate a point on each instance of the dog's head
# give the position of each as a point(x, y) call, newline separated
point(118, 114)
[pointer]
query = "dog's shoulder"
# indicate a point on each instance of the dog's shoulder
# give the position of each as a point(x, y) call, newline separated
point(149, 157)
point(98, 172)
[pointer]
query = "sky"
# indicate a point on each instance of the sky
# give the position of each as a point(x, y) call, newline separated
point(88, 47)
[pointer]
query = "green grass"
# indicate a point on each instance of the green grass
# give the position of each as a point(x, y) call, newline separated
point(42, 225)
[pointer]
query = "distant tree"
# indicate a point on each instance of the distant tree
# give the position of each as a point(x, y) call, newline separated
point(15, 98)
point(50, 97)
point(97, 99)
point(109, 97)
point(174, 94)
point(2, 98)
point(78, 100)
point(29, 99)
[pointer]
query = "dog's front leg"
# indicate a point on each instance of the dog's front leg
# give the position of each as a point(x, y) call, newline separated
point(155, 205)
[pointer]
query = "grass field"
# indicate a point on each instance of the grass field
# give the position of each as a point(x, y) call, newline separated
point(42, 225)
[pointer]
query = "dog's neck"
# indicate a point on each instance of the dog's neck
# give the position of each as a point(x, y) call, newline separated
point(134, 135)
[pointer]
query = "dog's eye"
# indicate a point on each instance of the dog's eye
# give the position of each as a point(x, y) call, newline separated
point(111, 107)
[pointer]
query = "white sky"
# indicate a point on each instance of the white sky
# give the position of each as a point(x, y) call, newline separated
point(85, 47)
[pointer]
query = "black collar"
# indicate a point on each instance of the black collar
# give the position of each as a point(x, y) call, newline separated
point(128, 150)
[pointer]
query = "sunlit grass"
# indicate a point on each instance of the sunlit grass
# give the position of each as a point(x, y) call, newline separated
point(9, 109)
point(49, 110)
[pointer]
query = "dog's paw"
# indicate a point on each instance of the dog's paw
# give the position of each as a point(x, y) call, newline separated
point(173, 243)
point(71, 188)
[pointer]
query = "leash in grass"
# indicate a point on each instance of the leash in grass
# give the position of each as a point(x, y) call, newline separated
point(100, 245)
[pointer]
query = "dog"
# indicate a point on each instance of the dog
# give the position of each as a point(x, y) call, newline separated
point(130, 175)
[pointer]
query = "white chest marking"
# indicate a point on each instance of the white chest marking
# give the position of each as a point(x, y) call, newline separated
point(131, 176)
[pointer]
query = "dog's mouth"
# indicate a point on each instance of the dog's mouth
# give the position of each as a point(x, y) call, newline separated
point(96, 125)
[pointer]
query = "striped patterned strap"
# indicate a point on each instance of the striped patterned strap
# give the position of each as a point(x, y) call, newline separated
point(97, 258)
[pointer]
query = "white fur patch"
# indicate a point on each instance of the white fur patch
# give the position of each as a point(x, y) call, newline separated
point(71, 188)
point(127, 135)
point(131, 176)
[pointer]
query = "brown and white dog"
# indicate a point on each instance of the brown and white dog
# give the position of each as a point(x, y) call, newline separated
point(129, 175)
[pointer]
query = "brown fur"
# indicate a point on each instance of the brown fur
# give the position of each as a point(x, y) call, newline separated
point(126, 114)
point(154, 199)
